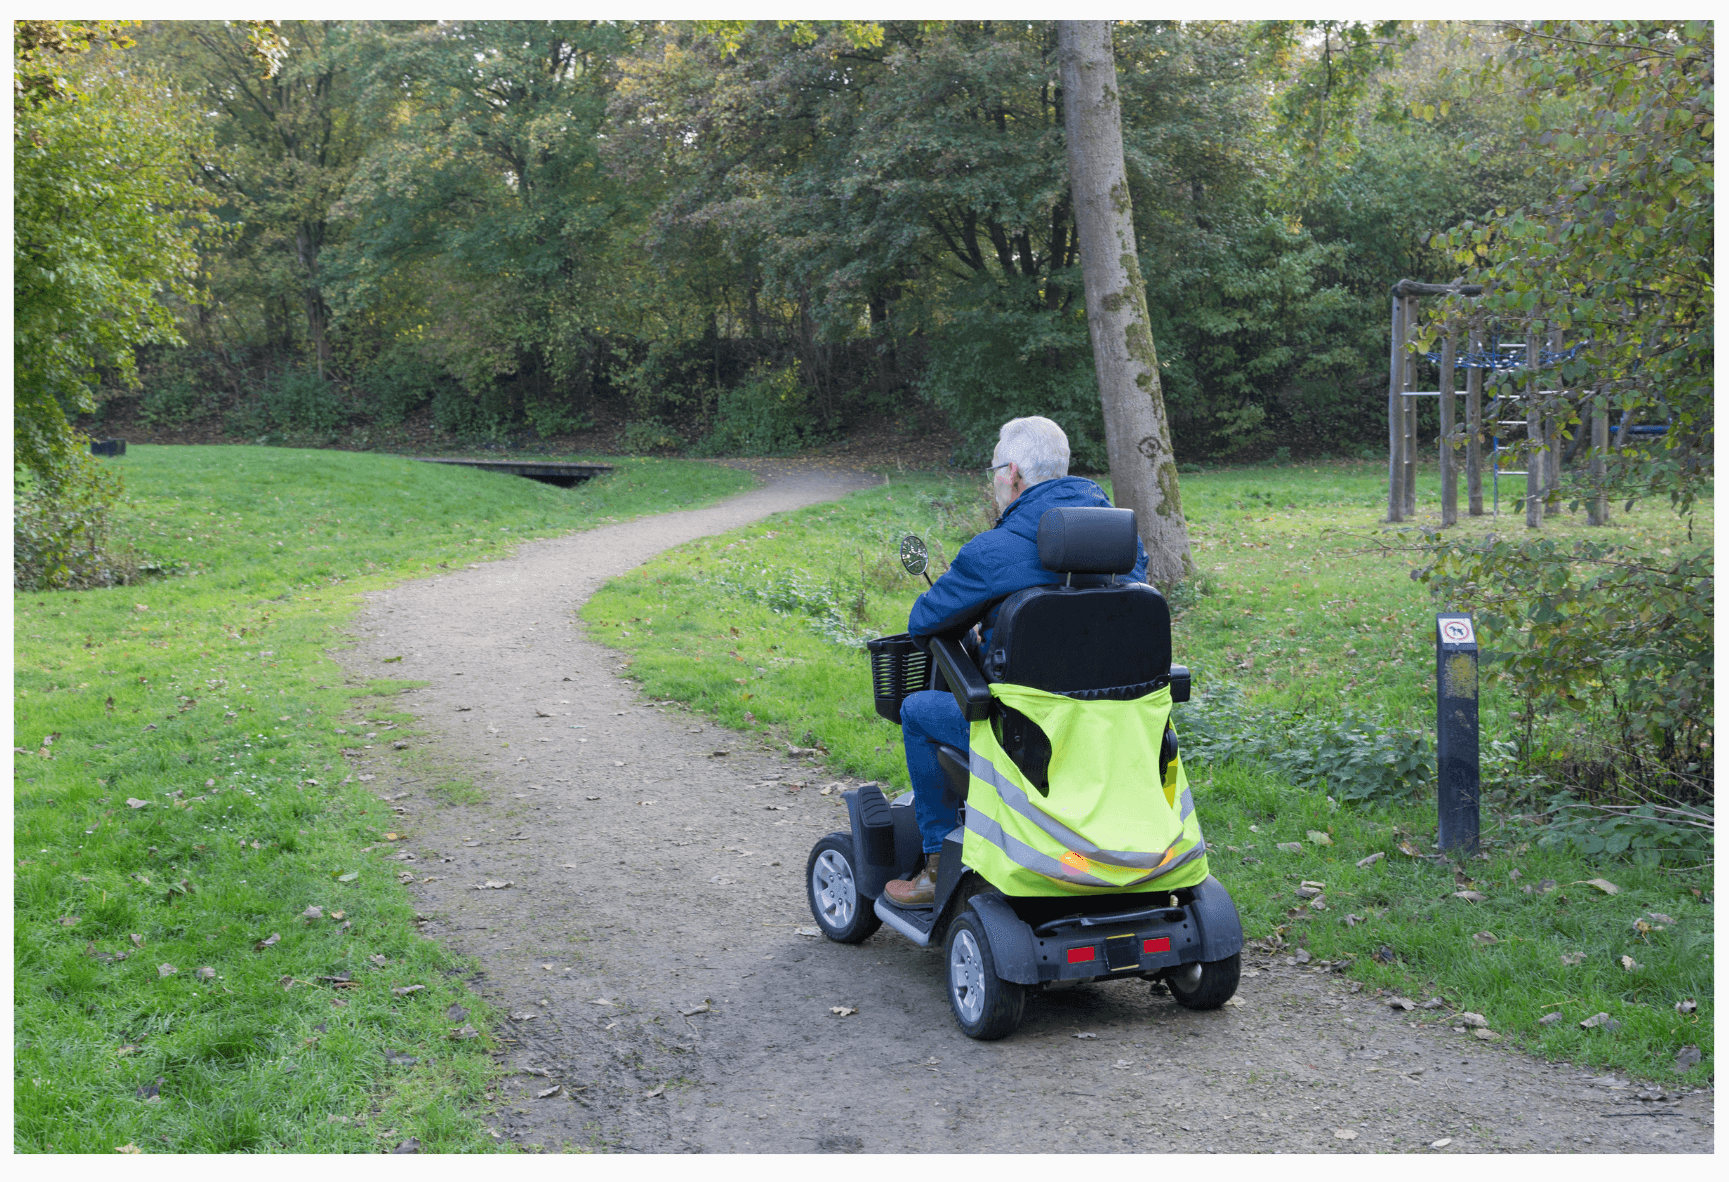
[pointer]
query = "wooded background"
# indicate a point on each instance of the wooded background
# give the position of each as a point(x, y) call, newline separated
point(743, 237)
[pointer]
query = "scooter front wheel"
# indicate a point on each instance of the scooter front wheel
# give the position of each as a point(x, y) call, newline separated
point(831, 885)
point(986, 1006)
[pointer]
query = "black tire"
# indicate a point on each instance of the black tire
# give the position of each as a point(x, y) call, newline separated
point(831, 887)
point(1218, 984)
point(986, 1006)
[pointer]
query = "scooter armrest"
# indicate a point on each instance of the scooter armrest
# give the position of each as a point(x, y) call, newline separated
point(964, 679)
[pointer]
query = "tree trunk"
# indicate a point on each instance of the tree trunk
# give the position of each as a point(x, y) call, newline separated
point(1137, 432)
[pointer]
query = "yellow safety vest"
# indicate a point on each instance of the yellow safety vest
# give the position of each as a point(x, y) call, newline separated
point(1106, 826)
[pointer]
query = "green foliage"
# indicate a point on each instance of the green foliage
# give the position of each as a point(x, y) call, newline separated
point(301, 400)
point(63, 531)
point(765, 415)
point(106, 223)
point(1645, 834)
point(398, 382)
point(650, 437)
point(1351, 755)
point(175, 402)
point(1599, 630)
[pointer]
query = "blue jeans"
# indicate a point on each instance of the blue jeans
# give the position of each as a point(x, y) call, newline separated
point(925, 716)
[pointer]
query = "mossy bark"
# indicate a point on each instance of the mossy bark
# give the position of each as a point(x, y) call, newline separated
point(1137, 430)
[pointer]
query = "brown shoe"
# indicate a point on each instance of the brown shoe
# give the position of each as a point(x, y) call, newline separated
point(921, 891)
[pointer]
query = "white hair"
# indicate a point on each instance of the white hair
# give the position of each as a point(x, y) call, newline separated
point(1036, 446)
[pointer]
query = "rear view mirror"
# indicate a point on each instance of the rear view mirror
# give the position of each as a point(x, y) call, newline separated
point(913, 555)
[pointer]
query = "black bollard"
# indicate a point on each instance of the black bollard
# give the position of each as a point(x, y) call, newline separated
point(1457, 770)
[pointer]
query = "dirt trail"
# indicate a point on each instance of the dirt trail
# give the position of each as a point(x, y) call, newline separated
point(657, 864)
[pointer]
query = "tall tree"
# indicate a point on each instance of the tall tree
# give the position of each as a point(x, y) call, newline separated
point(1137, 431)
point(106, 218)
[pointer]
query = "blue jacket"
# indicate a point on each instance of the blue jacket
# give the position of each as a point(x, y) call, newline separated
point(1004, 560)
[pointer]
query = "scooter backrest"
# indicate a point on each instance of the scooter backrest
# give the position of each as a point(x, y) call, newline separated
point(1065, 639)
point(1088, 541)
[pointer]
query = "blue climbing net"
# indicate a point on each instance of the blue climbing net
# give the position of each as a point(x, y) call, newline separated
point(1507, 357)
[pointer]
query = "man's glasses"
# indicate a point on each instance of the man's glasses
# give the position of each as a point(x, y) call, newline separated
point(994, 467)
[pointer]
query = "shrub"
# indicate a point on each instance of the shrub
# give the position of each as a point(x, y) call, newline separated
point(650, 435)
point(61, 532)
point(175, 403)
point(301, 400)
point(484, 416)
point(1352, 756)
point(768, 414)
point(399, 382)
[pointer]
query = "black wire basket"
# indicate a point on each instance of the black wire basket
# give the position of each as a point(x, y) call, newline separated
point(898, 668)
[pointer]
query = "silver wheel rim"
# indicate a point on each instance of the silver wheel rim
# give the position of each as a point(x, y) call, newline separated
point(967, 976)
point(832, 886)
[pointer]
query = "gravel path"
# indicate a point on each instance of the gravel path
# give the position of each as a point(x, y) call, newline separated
point(656, 867)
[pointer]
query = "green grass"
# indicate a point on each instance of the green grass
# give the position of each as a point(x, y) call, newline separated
point(753, 628)
point(211, 699)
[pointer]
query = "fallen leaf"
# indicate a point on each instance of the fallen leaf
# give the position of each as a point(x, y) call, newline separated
point(1302, 956)
point(1441, 1144)
point(464, 1032)
point(701, 1009)
point(349, 877)
point(1546, 885)
point(1659, 917)
point(1631, 965)
point(1319, 837)
point(843, 1011)
point(658, 1089)
point(1486, 1034)
point(151, 1091)
point(1686, 1059)
point(393, 837)
point(268, 942)
point(1308, 891)
point(1549, 1019)
point(1602, 884)
point(412, 1145)
point(400, 1058)
point(1365, 863)
point(132, 802)
point(554, 1090)
point(1401, 1003)
point(523, 1015)
point(493, 885)
point(1406, 847)
point(1345, 1134)
point(455, 1013)
point(1686, 1006)
point(206, 973)
point(541, 714)
point(1291, 847)
point(1600, 1020)
point(405, 990)
point(68, 921)
point(127, 1148)
point(807, 932)
point(601, 1001)
point(1235, 1001)
point(1569, 959)
point(137, 940)
point(1352, 919)
point(1485, 938)
point(1384, 954)
point(166, 970)
point(1469, 1019)
point(1470, 896)
point(287, 983)
point(312, 913)
point(1086, 1034)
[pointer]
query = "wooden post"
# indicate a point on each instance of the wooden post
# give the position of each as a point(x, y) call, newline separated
point(1449, 468)
point(1396, 417)
point(1597, 507)
point(1410, 447)
point(1535, 460)
point(1474, 422)
point(1557, 411)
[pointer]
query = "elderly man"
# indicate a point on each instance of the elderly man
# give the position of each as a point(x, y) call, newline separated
point(1029, 475)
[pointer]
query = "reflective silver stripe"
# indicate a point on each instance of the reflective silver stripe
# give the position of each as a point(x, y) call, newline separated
point(1025, 856)
point(1187, 805)
point(1022, 854)
point(1012, 796)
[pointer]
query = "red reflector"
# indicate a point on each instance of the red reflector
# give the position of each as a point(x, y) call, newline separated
point(1162, 944)
point(1081, 955)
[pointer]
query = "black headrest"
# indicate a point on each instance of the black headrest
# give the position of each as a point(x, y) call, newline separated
point(1088, 541)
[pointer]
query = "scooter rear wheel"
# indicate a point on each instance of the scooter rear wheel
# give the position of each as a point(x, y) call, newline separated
point(1216, 985)
point(831, 886)
point(986, 1006)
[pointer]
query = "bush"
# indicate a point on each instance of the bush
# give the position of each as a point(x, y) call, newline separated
point(400, 382)
point(301, 400)
point(175, 403)
point(1352, 756)
point(650, 436)
point(484, 416)
point(61, 537)
point(768, 414)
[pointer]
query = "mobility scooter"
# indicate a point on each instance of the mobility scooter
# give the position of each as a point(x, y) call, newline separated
point(1078, 856)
